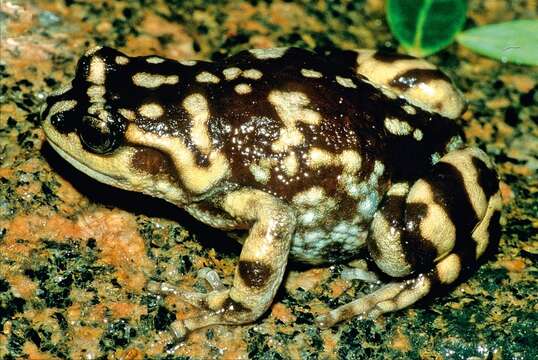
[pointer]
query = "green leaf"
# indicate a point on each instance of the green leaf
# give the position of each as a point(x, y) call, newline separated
point(424, 27)
point(514, 41)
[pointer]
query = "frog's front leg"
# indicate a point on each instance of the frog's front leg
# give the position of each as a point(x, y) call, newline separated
point(429, 233)
point(261, 264)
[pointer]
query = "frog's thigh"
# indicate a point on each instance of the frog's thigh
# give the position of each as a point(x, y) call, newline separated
point(435, 229)
point(261, 264)
point(418, 81)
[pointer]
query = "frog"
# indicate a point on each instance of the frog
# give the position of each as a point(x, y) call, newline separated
point(321, 157)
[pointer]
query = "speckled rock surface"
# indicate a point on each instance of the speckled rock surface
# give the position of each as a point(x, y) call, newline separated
point(75, 255)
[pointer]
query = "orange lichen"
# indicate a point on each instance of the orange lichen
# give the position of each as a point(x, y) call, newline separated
point(282, 313)
point(506, 192)
point(85, 342)
point(498, 103)
point(338, 287)
point(513, 265)
point(400, 342)
point(305, 280)
point(522, 83)
point(121, 245)
point(22, 286)
point(126, 310)
point(131, 354)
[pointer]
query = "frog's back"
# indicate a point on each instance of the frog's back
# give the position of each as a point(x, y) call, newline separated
point(293, 123)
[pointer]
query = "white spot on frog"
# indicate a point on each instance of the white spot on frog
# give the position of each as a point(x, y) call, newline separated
point(151, 110)
point(231, 73)
point(97, 71)
point(291, 107)
point(148, 80)
point(311, 73)
point(345, 82)
point(154, 60)
point(242, 89)
point(121, 60)
point(187, 62)
point(397, 127)
point(197, 107)
point(207, 77)
point(273, 53)
point(252, 74)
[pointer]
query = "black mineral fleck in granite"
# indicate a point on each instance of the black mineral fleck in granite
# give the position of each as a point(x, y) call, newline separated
point(76, 255)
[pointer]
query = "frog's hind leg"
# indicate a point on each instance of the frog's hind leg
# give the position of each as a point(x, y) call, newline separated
point(429, 233)
point(260, 269)
point(418, 81)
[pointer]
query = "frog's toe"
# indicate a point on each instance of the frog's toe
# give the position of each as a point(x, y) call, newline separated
point(211, 277)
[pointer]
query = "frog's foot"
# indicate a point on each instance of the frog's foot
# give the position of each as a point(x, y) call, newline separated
point(196, 299)
point(258, 274)
point(435, 230)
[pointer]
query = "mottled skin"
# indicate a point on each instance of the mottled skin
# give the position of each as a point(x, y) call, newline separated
point(318, 155)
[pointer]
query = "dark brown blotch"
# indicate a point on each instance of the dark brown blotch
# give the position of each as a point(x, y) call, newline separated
point(419, 252)
point(153, 162)
point(387, 57)
point(254, 273)
point(411, 78)
point(231, 306)
point(487, 178)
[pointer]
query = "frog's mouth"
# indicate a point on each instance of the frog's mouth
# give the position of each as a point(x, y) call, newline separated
point(116, 181)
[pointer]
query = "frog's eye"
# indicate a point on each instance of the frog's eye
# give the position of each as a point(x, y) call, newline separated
point(98, 136)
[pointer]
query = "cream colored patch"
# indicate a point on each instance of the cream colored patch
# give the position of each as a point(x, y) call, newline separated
point(317, 158)
point(397, 127)
point(272, 53)
point(62, 106)
point(97, 71)
point(449, 269)
point(291, 108)
point(252, 74)
point(345, 82)
point(62, 90)
point(187, 62)
point(291, 164)
point(313, 196)
point(398, 189)
point(409, 109)
point(391, 257)
point(93, 50)
point(481, 233)
point(231, 73)
point(207, 77)
point(309, 73)
point(436, 226)
point(96, 92)
point(194, 178)
point(418, 135)
point(462, 160)
point(147, 80)
point(128, 114)
point(151, 110)
point(242, 88)
point(261, 174)
point(388, 93)
point(121, 60)
point(154, 60)
point(350, 161)
point(198, 109)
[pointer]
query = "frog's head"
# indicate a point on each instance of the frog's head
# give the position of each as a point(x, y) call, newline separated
point(92, 123)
